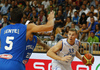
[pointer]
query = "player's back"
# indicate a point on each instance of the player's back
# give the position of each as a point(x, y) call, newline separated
point(13, 42)
point(29, 49)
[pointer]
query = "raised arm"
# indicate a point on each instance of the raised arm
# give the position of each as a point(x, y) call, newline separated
point(52, 52)
point(88, 28)
point(43, 44)
point(39, 28)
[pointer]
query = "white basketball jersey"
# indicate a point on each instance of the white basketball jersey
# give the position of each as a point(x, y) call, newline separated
point(67, 49)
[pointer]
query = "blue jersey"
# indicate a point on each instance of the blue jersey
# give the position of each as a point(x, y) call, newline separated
point(29, 49)
point(13, 45)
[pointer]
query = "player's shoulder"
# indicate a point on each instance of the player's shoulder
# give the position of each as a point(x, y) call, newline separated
point(65, 39)
point(77, 41)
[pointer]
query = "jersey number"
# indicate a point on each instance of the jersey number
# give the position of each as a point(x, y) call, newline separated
point(71, 50)
point(9, 42)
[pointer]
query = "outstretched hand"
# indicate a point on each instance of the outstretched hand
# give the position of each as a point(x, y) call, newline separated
point(51, 15)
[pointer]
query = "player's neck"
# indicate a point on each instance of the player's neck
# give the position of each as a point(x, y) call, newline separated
point(70, 42)
point(12, 23)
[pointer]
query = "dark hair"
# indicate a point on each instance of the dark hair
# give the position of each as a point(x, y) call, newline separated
point(73, 29)
point(92, 6)
point(98, 26)
point(75, 12)
point(16, 15)
point(83, 20)
point(66, 29)
point(91, 13)
point(69, 17)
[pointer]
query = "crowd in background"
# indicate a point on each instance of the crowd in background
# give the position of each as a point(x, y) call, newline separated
point(83, 15)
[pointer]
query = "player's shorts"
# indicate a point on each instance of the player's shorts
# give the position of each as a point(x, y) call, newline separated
point(6, 64)
point(58, 66)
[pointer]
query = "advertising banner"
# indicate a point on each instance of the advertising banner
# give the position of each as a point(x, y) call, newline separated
point(40, 61)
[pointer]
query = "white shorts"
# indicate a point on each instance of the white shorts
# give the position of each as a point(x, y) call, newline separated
point(58, 66)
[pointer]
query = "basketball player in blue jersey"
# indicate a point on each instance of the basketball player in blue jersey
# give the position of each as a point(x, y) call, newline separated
point(31, 43)
point(64, 51)
point(14, 37)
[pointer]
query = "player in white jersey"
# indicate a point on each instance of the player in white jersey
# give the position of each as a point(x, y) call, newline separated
point(64, 51)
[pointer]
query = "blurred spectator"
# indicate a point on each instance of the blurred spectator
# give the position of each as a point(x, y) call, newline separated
point(81, 37)
point(2, 4)
point(42, 18)
point(27, 10)
point(27, 4)
point(5, 23)
point(60, 8)
point(21, 3)
point(39, 7)
point(82, 19)
point(9, 2)
point(71, 11)
point(52, 42)
point(59, 20)
point(62, 35)
point(31, 2)
point(75, 19)
point(70, 2)
point(98, 13)
point(44, 10)
point(68, 23)
point(91, 15)
point(10, 9)
point(65, 13)
point(84, 9)
point(95, 11)
point(92, 37)
point(97, 31)
point(4, 9)
point(35, 4)
point(97, 4)
point(54, 4)
point(33, 15)
point(1, 20)
point(74, 26)
point(46, 3)
point(94, 3)
point(94, 23)
point(60, 2)
point(51, 7)
point(13, 5)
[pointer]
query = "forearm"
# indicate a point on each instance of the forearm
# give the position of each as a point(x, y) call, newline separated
point(88, 29)
point(43, 44)
point(53, 55)
point(78, 55)
point(50, 23)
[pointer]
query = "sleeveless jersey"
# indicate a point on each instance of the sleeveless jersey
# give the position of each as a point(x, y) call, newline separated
point(67, 49)
point(29, 49)
point(13, 42)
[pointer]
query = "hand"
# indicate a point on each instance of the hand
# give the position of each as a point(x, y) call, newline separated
point(66, 58)
point(51, 15)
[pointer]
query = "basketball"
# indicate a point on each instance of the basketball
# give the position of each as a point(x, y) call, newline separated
point(88, 59)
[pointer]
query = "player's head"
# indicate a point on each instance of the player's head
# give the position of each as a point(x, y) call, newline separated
point(16, 15)
point(72, 34)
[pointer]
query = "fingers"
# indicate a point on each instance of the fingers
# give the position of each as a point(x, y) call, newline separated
point(67, 58)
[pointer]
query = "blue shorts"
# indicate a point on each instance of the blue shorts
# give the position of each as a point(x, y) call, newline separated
point(11, 65)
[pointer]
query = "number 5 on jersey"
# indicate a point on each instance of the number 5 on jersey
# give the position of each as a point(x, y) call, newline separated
point(9, 42)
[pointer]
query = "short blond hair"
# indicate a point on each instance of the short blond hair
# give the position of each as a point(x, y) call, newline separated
point(73, 29)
